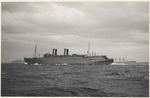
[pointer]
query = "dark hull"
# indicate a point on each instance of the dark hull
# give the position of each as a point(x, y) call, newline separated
point(67, 60)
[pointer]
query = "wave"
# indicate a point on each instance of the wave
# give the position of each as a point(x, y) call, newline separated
point(72, 91)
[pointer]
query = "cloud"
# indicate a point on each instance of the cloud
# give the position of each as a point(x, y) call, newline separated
point(72, 24)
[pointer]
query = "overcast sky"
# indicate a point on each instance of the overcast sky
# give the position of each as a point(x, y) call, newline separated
point(114, 29)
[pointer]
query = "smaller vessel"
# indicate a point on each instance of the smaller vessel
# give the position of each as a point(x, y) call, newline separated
point(123, 61)
point(18, 62)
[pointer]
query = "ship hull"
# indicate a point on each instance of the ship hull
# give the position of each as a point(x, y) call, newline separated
point(67, 60)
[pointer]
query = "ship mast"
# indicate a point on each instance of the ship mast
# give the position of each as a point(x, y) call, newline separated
point(35, 50)
point(88, 52)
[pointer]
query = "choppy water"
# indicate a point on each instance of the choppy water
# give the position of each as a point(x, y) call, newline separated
point(75, 80)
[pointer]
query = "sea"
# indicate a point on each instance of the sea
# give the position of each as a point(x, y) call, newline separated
point(130, 80)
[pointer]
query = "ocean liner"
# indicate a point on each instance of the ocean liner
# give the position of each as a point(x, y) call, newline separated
point(66, 59)
point(123, 61)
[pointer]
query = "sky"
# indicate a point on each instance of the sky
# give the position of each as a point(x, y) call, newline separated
point(115, 29)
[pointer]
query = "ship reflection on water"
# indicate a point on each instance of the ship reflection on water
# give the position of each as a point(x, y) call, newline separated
point(75, 80)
